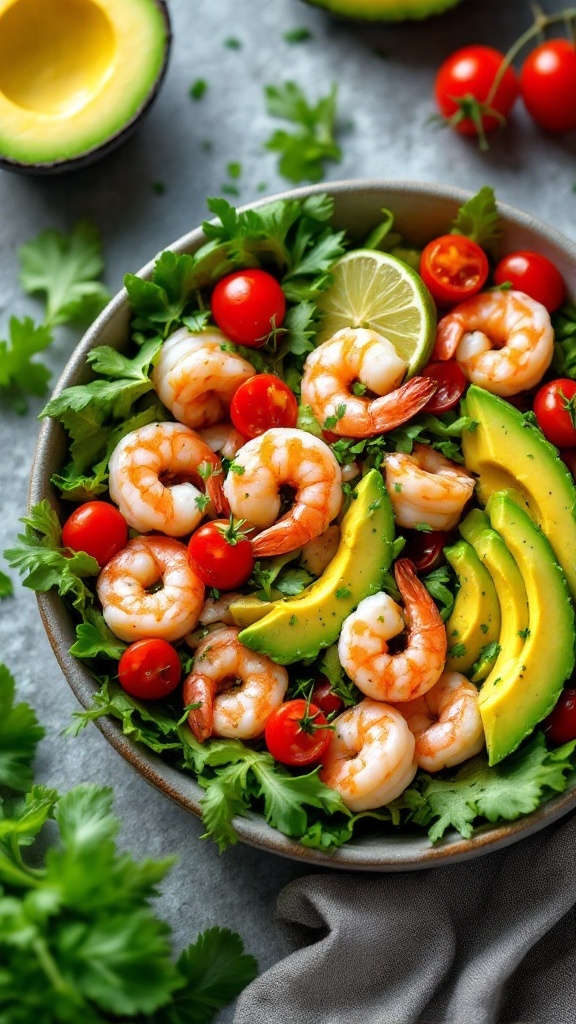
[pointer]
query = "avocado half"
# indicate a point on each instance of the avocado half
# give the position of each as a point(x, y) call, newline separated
point(76, 77)
point(384, 10)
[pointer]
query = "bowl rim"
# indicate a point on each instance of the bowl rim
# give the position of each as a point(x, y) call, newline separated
point(401, 854)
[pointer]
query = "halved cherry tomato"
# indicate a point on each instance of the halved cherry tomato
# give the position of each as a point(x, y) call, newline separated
point(534, 274)
point(221, 554)
point(555, 410)
point(453, 268)
point(451, 385)
point(560, 726)
point(248, 305)
point(97, 528)
point(262, 402)
point(297, 733)
point(463, 82)
point(425, 548)
point(323, 697)
point(548, 85)
point(149, 669)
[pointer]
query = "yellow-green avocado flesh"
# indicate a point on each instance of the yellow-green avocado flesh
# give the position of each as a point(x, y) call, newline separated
point(528, 684)
point(508, 453)
point(385, 10)
point(74, 74)
point(299, 627)
point(474, 623)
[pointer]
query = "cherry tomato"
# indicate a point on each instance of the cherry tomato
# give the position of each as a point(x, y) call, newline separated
point(297, 733)
point(560, 726)
point(221, 554)
point(149, 669)
point(97, 528)
point(534, 274)
point(555, 410)
point(323, 697)
point(548, 85)
point(451, 385)
point(262, 402)
point(464, 80)
point(247, 305)
point(453, 268)
point(425, 548)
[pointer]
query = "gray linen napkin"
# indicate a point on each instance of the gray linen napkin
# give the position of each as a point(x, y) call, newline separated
point(489, 941)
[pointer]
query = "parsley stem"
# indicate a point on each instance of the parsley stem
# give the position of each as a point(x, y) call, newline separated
point(50, 968)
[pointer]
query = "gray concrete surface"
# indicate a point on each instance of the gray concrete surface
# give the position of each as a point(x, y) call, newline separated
point(385, 78)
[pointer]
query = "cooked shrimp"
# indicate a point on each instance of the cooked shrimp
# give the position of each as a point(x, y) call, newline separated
point(503, 341)
point(446, 723)
point(317, 554)
point(284, 456)
point(361, 356)
point(223, 438)
point(197, 374)
point(426, 487)
point(151, 474)
point(363, 644)
point(370, 757)
point(236, 688)
point(149, 590)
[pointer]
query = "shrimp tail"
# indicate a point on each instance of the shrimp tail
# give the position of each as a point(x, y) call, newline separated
point(198, 689)
point(391, 410)
point(448, 336)
point(420, 610)
point(288, 534)
point(216, 495)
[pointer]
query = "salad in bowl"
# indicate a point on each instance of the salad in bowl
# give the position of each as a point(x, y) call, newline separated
point(302, 513)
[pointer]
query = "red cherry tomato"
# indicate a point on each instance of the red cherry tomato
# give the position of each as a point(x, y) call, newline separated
point(453, 268)
point(221, 554)
point(560, 726)
point(555, 410)
point(534, 274)
point(425, 548)
point(451, 385)
point(149, 669)
point(247, 305)
point(262, 402)
point(323, 697)
point(548, 85)
point(97, 528)
point(297, 733)
point(467, 76)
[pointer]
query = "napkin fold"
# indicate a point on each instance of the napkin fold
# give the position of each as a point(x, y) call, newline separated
point(487, 941)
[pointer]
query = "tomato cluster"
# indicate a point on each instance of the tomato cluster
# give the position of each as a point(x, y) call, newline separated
point(476, 87)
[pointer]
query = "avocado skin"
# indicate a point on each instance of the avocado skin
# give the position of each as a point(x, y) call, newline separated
point(384, 10)
point(529, 684)
point(299, 627)
point(475, 619)
point(508, 453)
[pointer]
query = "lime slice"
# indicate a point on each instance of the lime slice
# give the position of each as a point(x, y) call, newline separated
point(376, 290)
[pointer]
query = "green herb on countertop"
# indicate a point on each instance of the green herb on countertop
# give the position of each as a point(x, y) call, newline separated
point(64, 271)
point(304, 151)
point(6, 586)
point(198, 89)
point(79, 938)
point(297, 35)
point(232, 43)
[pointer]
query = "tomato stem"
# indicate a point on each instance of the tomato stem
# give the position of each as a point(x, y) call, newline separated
point(540, 23)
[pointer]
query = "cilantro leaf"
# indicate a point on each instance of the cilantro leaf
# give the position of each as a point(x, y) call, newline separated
point(303, 152)
point(64, 269)
point(215, 969)
point(478, 219)
point(6, 586)
point(19, 736)
point(20, 375)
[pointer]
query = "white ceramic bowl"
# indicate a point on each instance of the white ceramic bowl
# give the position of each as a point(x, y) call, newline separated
point(422, 211)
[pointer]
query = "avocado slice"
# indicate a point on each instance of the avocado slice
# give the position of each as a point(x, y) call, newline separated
point(508, 453)
point(528, 684)
point(299, 627)
point(385, 10)
point(474, 623)
point(75, 76)
point(509, 586)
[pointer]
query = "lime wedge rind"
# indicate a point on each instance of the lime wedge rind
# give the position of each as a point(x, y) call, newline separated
point(377, 290)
